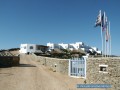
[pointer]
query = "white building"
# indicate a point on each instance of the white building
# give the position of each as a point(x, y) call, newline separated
point(52, 46)
point(76, 45)
point(99, 52)
point(63, 46)
point(72, 46)
point(32, 48)
point(96, 50)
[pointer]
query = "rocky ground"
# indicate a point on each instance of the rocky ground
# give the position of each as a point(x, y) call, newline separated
point(29, 75)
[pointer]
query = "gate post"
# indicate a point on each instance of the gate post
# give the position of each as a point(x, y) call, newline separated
point(69, 67)
point(85, 66)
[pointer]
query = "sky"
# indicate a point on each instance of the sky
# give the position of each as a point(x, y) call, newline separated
point(57, 21)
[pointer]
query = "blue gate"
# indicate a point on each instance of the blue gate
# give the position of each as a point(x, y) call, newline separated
point(77, 67)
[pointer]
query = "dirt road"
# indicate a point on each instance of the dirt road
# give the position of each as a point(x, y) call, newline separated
point(32, 76)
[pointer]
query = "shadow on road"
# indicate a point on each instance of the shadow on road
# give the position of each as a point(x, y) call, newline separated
point(26, 65)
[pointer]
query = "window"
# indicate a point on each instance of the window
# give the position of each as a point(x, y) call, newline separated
point(103, 68)
point(31, 47)
point(25, 47)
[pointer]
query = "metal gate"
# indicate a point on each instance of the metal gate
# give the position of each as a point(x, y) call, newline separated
point(77, 67)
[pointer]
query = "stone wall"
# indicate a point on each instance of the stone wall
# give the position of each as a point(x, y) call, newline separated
point(54, 64)
point(94, 76)
point(8, 61)
point(110, 76)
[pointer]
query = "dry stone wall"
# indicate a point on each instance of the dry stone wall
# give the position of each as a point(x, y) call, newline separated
point(54, 64)
point(94, 74)
point(110, 76)
point(8, 61)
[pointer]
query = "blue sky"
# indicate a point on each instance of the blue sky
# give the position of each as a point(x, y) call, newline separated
point(57, 21)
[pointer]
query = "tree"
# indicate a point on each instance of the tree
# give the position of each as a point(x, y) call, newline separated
point(77, 53)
